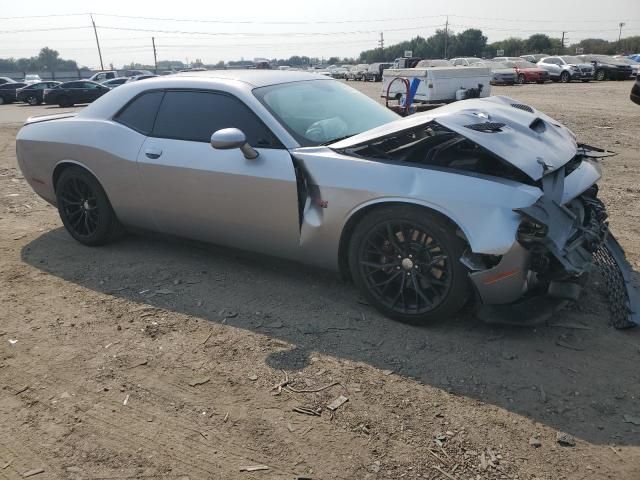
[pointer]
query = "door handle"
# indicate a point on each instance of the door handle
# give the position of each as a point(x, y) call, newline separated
point(153, 153)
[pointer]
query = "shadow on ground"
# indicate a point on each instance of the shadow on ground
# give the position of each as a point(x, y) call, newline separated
point(583, 379)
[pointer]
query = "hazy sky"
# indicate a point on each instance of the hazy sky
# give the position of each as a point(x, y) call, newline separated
point(228, 30)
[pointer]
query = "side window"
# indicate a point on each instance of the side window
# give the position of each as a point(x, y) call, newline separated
point(89, 85)
point(74, 85)
point(141, 112)
point(190, 115)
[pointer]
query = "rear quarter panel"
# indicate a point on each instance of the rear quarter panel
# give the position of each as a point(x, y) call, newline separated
point(105, 148)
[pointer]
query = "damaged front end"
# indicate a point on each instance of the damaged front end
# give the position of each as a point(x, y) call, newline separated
point(561, 239)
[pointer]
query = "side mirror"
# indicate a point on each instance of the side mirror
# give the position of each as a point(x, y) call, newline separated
point(230, 138)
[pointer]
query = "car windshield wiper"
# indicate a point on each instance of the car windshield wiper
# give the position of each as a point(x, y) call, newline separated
point(337, 139)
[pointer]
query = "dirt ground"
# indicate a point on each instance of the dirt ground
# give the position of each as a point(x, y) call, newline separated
point(155, 358)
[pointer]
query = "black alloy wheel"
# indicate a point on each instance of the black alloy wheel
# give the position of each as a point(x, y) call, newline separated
point(405, 261)
point(85, 209)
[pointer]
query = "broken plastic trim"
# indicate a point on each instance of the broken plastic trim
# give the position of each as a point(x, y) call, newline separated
point(624, 297)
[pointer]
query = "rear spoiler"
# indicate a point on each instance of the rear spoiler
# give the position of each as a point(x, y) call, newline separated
point(46, 118)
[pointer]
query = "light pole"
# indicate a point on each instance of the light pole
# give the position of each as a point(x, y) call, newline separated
point(621, 24)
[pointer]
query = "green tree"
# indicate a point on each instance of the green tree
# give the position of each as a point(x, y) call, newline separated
point(470, 43)
point(538, 43)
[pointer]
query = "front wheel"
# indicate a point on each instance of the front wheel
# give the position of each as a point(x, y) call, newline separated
point(405, 262)
point(33, 101)
point(565, 77)
point(601, 75)
point(521, 79)
point(85, 209)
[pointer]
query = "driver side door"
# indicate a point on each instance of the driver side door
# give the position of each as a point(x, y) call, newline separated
point(219, 196)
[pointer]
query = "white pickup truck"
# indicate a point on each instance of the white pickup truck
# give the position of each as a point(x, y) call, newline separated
point(438, 84)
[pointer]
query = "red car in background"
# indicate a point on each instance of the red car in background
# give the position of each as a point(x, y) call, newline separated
point(529, 72)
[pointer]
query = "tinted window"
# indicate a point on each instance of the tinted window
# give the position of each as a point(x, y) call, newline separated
point(72, 85)
point(196, 115)
point(141, 112)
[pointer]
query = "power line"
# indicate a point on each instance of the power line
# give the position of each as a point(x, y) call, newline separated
point(254, 34)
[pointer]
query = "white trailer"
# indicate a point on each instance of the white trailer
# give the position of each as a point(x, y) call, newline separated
point(437, 84)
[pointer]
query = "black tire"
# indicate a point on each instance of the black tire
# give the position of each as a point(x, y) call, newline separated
point(600, 75)
point(521, 79)
point(85, 209)
point(565, 77)
point(386, 269)
point(33, 101)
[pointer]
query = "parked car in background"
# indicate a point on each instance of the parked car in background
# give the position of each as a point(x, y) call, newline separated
point(534, 57)
point(4, 80)
point(607, 68)
point(115, 82)
point(32, 78)
point(339, 72)
point(34, 94)
point(434, 63)
point(357, 72)
point(101, 77)
point(140, 77)
point(635, 91)
point(465, 61)
point(8, 91)
point(374, 74)
point(635, 57)
point(635, 66)
point(135, 73)
point(70, 93)
point(501, 73)
point(406, 62)
point(527, 72)
point(566, 68)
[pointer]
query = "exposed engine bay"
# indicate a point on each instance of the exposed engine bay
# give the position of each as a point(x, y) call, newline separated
point(560, 240)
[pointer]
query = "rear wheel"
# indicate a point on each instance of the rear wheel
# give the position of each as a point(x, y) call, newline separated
point(85, 209)
point(33, 101)
point(521, 79)
point(405, 261)
point(565, 77)
point(601, 75)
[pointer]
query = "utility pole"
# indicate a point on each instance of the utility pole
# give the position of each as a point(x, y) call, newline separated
point(381, 43)
point(563, 33)
point(621, 24)
point(97, 41)
point(155, 58)
point(446, 37)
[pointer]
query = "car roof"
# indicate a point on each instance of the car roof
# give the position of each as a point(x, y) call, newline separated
point(256, 78)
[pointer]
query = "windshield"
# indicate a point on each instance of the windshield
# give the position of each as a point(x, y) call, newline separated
point(574, 60)
point(319, 112)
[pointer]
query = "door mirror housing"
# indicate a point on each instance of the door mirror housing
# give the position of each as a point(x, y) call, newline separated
point(230, 138)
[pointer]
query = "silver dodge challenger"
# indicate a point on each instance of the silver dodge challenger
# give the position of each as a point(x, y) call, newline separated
point(486, 202)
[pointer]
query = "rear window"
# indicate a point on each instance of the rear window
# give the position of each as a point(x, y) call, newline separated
point(140, 114)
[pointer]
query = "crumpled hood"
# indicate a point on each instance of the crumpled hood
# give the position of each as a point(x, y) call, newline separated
point(517, 133)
